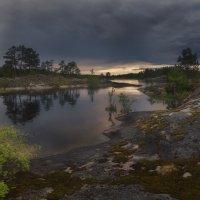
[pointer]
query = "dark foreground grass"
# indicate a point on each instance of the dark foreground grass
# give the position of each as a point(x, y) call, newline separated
point(171, 183)
point(61, 182)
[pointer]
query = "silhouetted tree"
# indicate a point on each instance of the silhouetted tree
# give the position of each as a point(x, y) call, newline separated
point(108, 75)
point(188, 59)
point(102, 75)
point(21, 57)
point(72, 68)
point(62, 66)
point(149, 73)
point(47, 65)
point(32, 59)
point(92, 72)
point(10, 58)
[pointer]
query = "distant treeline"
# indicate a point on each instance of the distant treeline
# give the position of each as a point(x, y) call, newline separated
point(157, 72)
point(187, 62)
point(146, 73)
point(20, 60)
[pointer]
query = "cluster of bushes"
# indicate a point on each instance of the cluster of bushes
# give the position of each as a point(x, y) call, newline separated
point(124, 101)
point(15, 156)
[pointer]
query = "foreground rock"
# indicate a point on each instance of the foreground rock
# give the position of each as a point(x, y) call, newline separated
point(119, 192)
point(155, 150)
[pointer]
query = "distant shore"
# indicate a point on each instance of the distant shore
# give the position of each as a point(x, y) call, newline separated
point(44, 83)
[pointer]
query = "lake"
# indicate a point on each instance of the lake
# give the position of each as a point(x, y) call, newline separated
point(62, 120)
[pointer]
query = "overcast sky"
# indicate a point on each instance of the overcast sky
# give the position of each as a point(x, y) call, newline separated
point(102, 32)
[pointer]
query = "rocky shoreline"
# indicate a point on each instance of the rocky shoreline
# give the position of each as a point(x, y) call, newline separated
point(144, 158)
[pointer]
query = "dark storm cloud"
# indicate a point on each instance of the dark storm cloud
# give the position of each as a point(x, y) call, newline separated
point(108, 31)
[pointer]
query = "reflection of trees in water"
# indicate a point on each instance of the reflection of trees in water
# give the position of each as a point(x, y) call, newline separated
point(111, 108)
point(21, 108)
point(111, 118)
point(170, 102)
point(91, 93)
point(47, 101)
point(69, 96)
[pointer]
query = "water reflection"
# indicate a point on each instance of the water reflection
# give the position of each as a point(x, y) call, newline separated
point(21, 109)
point(91, 93)
point(171, 103)
point(69, 96)
point(112, 107)
point(47, 101)
point(62, 120)
point(24, 108)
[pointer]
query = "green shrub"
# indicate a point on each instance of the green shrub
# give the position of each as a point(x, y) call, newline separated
point(111, 108)
point(177, 82)
point(3, 189)
point(125, 103)
point(15, 155)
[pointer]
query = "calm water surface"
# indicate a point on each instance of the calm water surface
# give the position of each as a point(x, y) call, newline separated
point(63, 120)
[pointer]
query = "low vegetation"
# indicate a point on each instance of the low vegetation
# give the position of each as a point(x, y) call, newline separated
point(192, 118)
point(112, 107)
point(123, 100)
point(181, 80)
point(125, 103)
point(15, 156)
point(40, 80)
point(61, 182)
point(163, 177)
point(119, 153)
point(152, 124)
point(148, 175)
